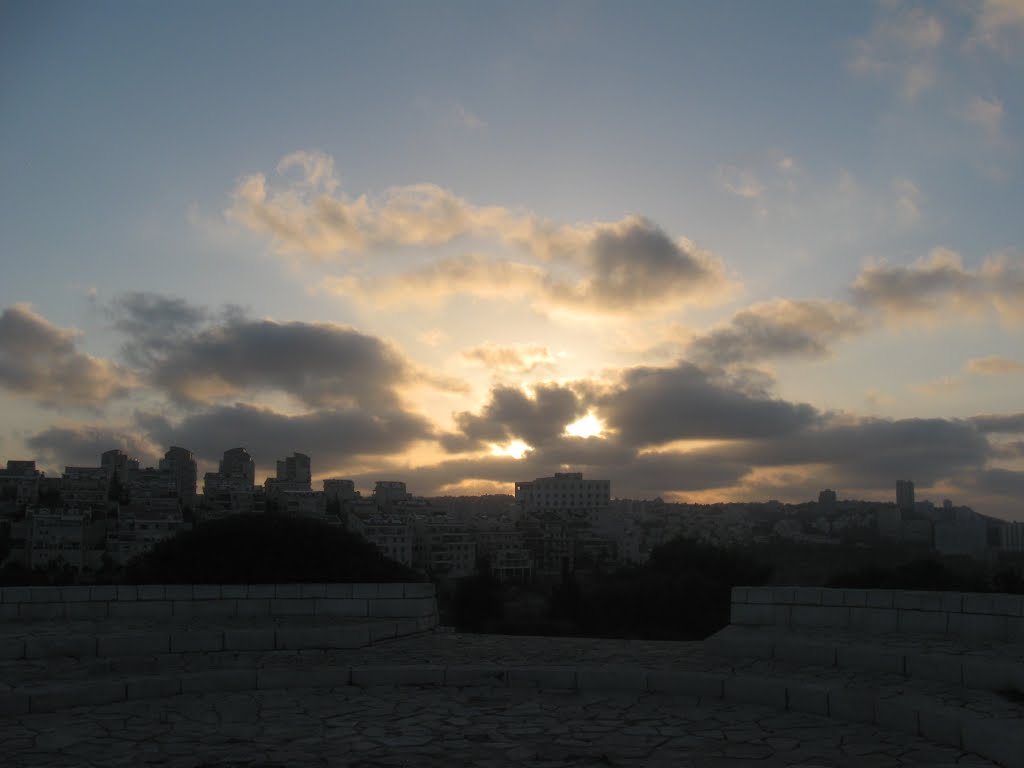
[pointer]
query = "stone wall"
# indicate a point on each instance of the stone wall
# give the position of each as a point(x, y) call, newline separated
point(411, 601)
point(969, 615)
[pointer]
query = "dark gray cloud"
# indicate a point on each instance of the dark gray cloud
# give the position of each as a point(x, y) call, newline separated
point(781, 328)
point(41, 360)
point(512, 413)
point(331, 437)
point(652, 406)
point(198, 359)
point(1009, 423)
point(997, 482)
point(80, 445)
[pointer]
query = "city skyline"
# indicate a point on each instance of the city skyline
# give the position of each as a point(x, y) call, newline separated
point(710, 252)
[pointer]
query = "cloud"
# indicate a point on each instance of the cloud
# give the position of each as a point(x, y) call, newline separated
point(907, 200)
point(999, 423)
point(997, 22)
point(80, 445)
point(941, 387)
point(994, 366)
point(40, 360)
point(654, 406)
point(536, 417)
point(901, 47)
point(780, 328)
point(522, 358)
point(594, 267)
point(319, 364)
point(625, 266)
point(940, 286)
point(331, 436)
point(987, 114)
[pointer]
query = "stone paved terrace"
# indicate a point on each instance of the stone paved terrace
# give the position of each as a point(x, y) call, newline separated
point(194, 687)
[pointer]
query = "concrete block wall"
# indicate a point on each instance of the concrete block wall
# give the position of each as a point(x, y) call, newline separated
point(392, 601)
point(967, 615)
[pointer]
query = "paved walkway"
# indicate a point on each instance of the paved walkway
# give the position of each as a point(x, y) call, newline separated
point(480, 727)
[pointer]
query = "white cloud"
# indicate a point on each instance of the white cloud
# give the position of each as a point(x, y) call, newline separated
point(901, 45)
point(994, 366)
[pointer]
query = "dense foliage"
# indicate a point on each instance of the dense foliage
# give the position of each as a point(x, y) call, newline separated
point(261, 549)
point(960, 575)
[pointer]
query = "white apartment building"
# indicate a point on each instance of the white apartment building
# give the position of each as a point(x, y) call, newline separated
point(389, 533)
point(565, 493)
point(68, 535)
point(138, 530)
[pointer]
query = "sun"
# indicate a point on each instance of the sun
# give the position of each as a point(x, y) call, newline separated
point(588, 426)
point(516, 449)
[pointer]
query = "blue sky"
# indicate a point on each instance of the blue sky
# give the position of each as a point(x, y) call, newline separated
point(517, 214)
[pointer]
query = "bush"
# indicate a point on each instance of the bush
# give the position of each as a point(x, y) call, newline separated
point(262, 549)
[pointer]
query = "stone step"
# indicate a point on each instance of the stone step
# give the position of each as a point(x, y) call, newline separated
point(88, 640)
point(986, 666)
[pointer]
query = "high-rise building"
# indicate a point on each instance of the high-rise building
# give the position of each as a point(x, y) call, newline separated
point(294, 469)
point(181, 464)
point(387, 493)
point(905, 494)
point(116, 460)
point(237, 464)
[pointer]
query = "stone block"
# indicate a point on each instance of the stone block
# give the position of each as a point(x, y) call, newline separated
point(977, 602)
point(993, 674)
point(44, 594)
point(219, 680)
point(406, 607)
point(127, 592)
point(784, 595)
point(749, 614)
point(922, 622)
point(197, 640)
point(9, 611)
point(41, 611)
point(738, 595)
point(874, 620)
point(475, 675)
point(16, 594)
point(49, 646)
point(821, 616)
point(206, 592)
point(338, 591)
point(751, 689)
point(853, 704)
point(547, 677)
point(879, 598)
point(807, 697)
point(898, 713)
point(383, 630)
point(12, 648)
point(833, 597)
point(613, 677)
point(944, 667)
point(302, 638)
point(178, 591)
point(152, 687)
point(140, 644)
point(59, 696)
point(14, 704)
point(741, 645)
point(252, 607)
point(234, 591)
point(870, 658)
point(341, 607)
point(249, 640)
point(1008, 605)
point(1015, 629)
point(103, 592)
point(303, 677)
point(152, 592)
point(855, 597)
point(365, 591)
point(287, 591)
point(261, 591)
point(91, 611)
point(817, 653)
point(190, 608)
point(292, 607)
point(426, 623)
point(916, 600)
point(74, 594)
point(942, 724)
point(390, 591)
point(405, 627)
point(807, 596)
point(760, 595)
point(312, 590)
point(141, 609)
point(953, 602)
point(978, 626)
point(411, 674)
point(423, 589)
point(1000, 740)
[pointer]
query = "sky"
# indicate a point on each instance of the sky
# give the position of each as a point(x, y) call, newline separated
point(711, 251)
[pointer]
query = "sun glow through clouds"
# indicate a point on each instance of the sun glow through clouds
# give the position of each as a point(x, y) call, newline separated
point(588, 426)
point(516, 449)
